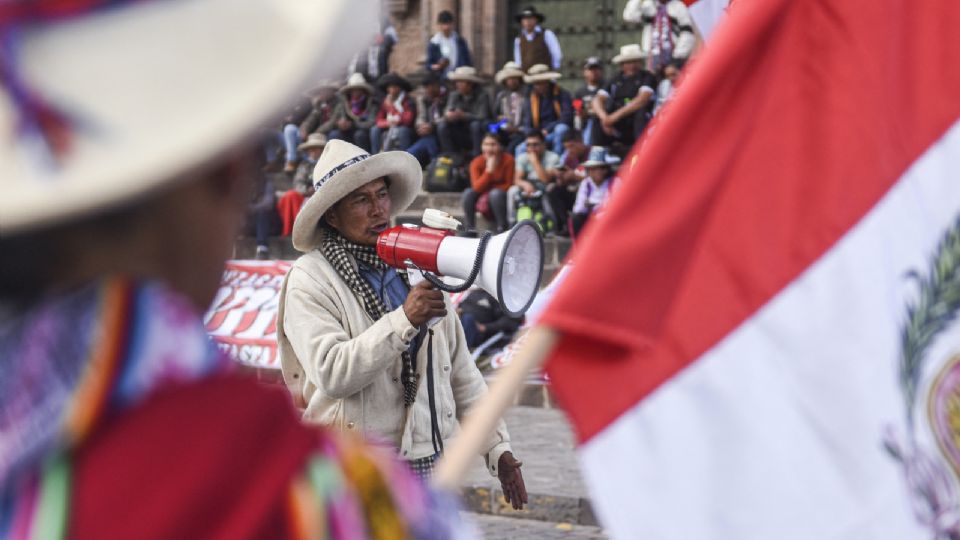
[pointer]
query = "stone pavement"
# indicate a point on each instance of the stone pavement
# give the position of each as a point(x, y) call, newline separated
point(542, 440)
point(499, 527)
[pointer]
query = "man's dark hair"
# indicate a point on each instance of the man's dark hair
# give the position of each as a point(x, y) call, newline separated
point(571, 135)
point(445, 17)
point(497, 135)
point(534, 133)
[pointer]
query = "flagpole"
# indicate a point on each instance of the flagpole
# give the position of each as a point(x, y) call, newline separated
point(480, 421)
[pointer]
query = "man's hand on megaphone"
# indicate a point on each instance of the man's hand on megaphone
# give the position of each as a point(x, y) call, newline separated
point(511, 481)
point(424, 303)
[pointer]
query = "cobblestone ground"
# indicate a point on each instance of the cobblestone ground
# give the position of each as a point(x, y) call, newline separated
point(498, 527)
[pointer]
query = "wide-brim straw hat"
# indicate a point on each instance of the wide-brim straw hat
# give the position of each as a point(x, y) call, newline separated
point(628, 53)
point(600, 157)
point(343, 168)
point(539, 73)
point(314, 140)
point(510, 69)
point(151, 91)
point(392, 78)
point(466, 73)
point(356, 82)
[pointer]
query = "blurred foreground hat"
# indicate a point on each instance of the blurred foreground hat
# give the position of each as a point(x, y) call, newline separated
point(102, 102)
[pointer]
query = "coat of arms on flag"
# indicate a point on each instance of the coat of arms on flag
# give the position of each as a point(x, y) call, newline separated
point(929, 453)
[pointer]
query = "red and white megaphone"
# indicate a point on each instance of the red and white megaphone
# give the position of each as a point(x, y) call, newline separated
point(509, 265)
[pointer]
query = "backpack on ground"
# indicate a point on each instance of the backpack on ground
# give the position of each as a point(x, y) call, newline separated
point(446, 173)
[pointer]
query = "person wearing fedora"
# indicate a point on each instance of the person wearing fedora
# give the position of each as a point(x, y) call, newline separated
point(431, 105)
point(120, 418)
point(394, 127)
point(548, 108)
point(625, 106)
point(468, 111)
point(356, 112)
point(508, 105)
point(355, 348)
point(447, 50)
point(535, 45)
point(595, 188)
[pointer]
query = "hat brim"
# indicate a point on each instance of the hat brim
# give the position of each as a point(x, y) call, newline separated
point(365, 87)
point(539, 16)
point(504, 75)
point(468, 78)
point(121, 150)
point(595, 164)
point(309, 145)
point(549, 76)
point(619, 59)
point(402, 83)
point(405, 178)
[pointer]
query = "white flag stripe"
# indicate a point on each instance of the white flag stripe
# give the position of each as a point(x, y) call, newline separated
point(706, 14)
point(777, 432)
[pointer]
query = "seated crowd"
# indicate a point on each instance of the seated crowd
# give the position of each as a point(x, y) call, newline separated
point(531, 149)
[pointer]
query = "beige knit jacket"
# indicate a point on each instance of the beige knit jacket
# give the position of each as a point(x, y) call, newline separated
point(345, 368)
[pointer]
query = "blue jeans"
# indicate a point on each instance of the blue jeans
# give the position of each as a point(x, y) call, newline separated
point(403, 134)
point(291, 138)
point(359, 137)
point(425, 149)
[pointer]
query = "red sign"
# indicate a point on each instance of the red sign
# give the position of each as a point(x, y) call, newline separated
point(243, 316)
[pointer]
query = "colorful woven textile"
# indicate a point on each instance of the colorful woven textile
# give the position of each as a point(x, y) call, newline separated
point(115, 390)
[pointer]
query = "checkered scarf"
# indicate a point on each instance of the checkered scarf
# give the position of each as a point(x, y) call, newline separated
point(338, 251)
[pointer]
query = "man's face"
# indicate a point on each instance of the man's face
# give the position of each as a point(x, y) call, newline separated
point(445, 28)
point(464, 87)
point(535, 145)
point(528, 23)
point(432, 90)
point(631, 68)
point(512, 83)
point(592, 75)
point(313, 153)
point(363, 214)
point(393, 90)
point(357, 94)
point(541, 87)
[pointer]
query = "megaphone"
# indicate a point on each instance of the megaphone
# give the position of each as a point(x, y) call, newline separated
point(509, 265)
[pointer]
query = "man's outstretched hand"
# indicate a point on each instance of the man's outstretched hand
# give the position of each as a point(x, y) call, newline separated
point(511, 481)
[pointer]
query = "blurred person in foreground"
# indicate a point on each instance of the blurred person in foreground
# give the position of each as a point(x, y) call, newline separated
point(356, 347)
point(120, 418)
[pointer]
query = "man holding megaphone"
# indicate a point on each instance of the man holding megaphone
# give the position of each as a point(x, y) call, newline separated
point(355, 346)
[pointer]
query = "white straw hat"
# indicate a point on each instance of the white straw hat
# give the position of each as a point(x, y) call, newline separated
point(343, 168)
point(154, 89)
point(510, 69)
point(356, 82)
point(466, 73)
point(628, 53)
point(540, 72)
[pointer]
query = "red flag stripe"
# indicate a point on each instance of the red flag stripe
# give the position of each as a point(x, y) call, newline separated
point(784, 96)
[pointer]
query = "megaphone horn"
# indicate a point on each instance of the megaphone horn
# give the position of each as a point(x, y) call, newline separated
point(509, 265)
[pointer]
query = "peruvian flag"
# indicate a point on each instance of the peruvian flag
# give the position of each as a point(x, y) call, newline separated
point(706, 14)
point(759, 339)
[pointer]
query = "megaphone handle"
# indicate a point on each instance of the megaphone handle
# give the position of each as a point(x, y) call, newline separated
point(414, 276)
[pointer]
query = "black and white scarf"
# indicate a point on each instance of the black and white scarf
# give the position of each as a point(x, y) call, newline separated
point(338, 251)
